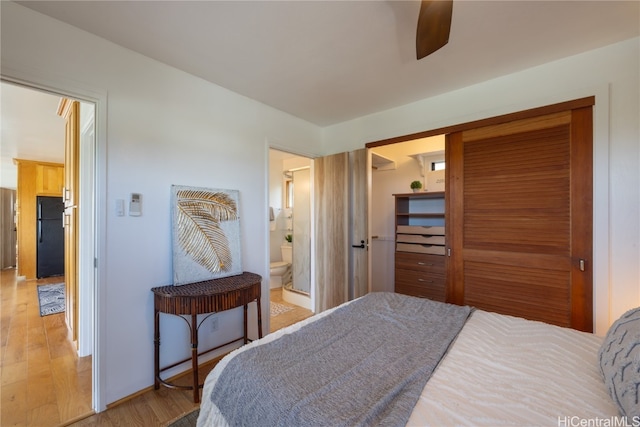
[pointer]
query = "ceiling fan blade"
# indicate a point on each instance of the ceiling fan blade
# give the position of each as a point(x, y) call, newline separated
point(434, 24)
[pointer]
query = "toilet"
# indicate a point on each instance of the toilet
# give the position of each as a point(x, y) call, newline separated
point(279, 269)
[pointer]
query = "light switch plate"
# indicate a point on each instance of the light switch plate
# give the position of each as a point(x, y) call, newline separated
point(120, 207)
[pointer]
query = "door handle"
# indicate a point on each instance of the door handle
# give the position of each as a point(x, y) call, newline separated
point(361, 245)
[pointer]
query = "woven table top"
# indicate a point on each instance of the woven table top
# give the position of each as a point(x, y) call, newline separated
point(209, 287)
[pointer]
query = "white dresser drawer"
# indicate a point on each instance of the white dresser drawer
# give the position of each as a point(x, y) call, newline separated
point(420, 229)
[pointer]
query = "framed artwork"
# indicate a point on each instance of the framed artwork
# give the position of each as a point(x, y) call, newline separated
point(205, 233)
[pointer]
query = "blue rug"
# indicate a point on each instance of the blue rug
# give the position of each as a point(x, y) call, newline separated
point(51, 298)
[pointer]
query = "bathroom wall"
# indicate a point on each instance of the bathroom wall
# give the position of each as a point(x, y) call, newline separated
point(279, 162)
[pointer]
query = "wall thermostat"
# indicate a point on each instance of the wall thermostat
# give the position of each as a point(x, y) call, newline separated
point(135, 204)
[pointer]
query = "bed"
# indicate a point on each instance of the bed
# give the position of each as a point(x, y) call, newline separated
point(365, 363)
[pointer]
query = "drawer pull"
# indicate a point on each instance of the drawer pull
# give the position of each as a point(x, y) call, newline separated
point(424, 263)
point(425, 281)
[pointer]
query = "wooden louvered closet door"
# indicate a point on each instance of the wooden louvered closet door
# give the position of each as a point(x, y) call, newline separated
point(519, 218)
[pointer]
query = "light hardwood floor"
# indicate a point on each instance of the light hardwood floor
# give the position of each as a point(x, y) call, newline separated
point(41, 390)
point(288, 318)
point(42, 380)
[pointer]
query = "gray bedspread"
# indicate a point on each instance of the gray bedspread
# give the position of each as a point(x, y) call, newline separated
point(365, 364)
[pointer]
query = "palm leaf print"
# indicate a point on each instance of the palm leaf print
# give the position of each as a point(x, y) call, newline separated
point(199, 214)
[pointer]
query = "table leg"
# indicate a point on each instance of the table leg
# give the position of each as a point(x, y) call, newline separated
point(246, 338)
point(156, 349)
point(259, 317)
point(194, 357)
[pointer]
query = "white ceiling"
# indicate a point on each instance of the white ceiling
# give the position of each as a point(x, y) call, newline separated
point(331, 61)
point(30, 129)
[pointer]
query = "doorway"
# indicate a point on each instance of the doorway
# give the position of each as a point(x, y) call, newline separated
point(19, 99)
point(290, 226)
point(394, 167)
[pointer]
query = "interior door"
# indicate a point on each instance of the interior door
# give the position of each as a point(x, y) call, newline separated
point(302, 230)
point(340, 210)
point(70, 110)
point(358, 223)
point(331, 206)
point(519, 218)
point(8, 235)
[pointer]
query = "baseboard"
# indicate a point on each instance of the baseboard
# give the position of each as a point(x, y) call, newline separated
point(138, 393)
point(76, 419)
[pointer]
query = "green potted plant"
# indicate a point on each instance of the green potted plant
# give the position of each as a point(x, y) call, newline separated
point(416, 186)
point(288, 238)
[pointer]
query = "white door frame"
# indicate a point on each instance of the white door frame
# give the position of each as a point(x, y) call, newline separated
point(273, 145)
point(86, 227)
point(90, 269)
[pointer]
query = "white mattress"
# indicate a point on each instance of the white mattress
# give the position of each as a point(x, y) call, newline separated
point(501, 370)
point(508, 371)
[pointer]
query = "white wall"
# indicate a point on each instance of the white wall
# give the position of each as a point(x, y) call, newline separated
point(612, 75)
point(276, 227)
point(162, 127)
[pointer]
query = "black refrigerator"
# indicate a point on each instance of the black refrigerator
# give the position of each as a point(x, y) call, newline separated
point(50, 235)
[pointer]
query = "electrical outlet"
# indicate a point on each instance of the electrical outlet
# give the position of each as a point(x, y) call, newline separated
point(214, 324)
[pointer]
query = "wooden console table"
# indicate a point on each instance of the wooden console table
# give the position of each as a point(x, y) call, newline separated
point(209, 296)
